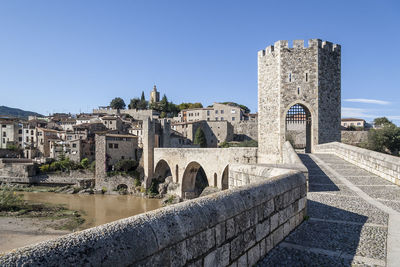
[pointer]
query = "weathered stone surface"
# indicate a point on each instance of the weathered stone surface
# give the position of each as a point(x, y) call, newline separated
point(299, 75)
point(262, 230)
point(218, 229)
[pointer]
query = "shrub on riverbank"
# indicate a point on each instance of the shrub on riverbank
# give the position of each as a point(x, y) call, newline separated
point(10, 201)
point(13, 205)
point(64, 164)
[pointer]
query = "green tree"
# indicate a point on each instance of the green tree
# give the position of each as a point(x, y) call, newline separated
point(173, 109)
point(143, 104)
point(117, 103)
point(85, 163)
point(382, 121)
point(183, 106)
point(164, 104)
point(200, 138)
point(134, 103)
point(155, 106)
point(385, 139)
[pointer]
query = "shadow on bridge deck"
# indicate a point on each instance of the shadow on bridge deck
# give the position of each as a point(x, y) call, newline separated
point(332, 235)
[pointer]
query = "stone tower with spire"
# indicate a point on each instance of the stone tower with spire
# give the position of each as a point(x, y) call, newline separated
point(154, 95)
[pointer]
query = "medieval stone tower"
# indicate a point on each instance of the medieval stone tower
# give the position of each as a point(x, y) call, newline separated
point(298, 85)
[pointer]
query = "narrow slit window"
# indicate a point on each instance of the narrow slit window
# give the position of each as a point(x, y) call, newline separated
point(290, 77)
point(298, 90)
point(306, 76)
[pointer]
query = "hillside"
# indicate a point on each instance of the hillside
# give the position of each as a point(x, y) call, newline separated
point(16, 112)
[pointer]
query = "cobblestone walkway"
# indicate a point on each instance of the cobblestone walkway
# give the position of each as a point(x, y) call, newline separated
point(348, 211)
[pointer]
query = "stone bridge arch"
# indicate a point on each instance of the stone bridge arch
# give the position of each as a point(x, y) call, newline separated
point(163, 170)
point(225, 178)
point(184, 163)
point(194, 180)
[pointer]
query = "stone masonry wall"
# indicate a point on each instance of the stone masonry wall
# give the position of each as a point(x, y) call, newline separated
point(245, 130)
point(238, 226)
point(383, 165)
point(268, 105)
point(212, 160)
point(354, 137)
point(329, 93)
point(17, 168)
point(309, 76)
point(243, 174)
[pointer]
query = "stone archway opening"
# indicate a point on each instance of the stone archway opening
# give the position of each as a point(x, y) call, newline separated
point(298, 127)
point(225, 178)
point(161, 172)
point(194, 181)
point(122, 189)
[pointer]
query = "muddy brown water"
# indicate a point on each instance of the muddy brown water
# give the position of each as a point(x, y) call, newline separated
point(97, 209)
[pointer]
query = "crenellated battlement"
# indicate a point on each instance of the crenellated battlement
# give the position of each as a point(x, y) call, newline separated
point(300, 44)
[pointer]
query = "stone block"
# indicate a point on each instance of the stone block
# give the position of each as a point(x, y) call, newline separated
point(178, 254)
point(253, 255)
point(220, 234)
point(242, 222)
point(198, 263)
point(211, 259)
point(242, 260)
point(223, 254)
point(274, 221)
point(277, 235)
point(286, 228)
point(269, 207)
point(230, 228)
point(252, 215)
point(262, 230)
point(303, 190)
point(237, 247)
point(302, 203)
point(268, 244)
point(157, 259)
point(249, 237)
point(262, 247)
point(295, 206)
point(200, 243)
point(292, 221)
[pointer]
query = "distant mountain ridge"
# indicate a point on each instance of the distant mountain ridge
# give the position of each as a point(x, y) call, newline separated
point(16, 112)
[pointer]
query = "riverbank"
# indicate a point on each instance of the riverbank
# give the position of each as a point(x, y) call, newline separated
point(18, 232)
point(95, 209)
point(24, 222)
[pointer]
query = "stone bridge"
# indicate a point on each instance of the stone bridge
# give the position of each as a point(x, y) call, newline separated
point(184, 164)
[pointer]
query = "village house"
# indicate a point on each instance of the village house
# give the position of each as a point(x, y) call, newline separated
point(116, 147)
point(217, 112)
point(348, 122)
point(10, 133)
point(112, 122)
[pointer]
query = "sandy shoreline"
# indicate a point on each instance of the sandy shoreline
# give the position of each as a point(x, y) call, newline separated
point(19, 232)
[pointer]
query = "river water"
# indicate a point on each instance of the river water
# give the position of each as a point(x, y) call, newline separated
point(97, 209)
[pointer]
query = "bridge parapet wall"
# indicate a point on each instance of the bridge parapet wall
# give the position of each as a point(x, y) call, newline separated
point(234, 226)
point(243, 174)
point(383, 165)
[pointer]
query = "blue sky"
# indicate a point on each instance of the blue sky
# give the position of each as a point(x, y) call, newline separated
point(72, 56)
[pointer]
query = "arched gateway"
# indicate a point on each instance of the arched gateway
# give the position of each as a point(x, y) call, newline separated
point(298, 96)
point(298, 127)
